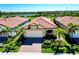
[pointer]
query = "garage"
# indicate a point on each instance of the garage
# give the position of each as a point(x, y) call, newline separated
point(3, 39)
point(38, 27)
point(30, 41)
point(75, 37)
point(34, 33)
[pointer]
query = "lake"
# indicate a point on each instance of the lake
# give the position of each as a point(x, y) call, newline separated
point(25, 14)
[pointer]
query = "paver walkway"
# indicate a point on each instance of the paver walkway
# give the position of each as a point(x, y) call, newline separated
point(31, 48)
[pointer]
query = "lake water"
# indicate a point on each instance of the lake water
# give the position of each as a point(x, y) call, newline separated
point(25, 14)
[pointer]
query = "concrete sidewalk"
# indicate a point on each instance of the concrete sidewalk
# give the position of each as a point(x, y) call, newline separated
point(31, 48)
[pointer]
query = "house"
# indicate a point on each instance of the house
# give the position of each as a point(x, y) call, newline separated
point(65, 20)
point(39, 27)
point(12, 22)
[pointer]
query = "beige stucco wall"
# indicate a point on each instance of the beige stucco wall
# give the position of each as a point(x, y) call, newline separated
point(76, 35)
point(8, 34)
point(35, 33)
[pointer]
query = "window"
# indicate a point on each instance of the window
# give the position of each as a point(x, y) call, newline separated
point(49, 31)
point(33, 26)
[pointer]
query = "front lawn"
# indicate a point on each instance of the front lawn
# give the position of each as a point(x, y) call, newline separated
point(47, 50)
point(51, 46)
point(1, 49)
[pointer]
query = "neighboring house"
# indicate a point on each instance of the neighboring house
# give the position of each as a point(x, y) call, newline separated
point(39, 27)
point(12, 22)
point(65, 20)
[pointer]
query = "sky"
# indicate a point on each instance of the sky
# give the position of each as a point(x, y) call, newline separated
point(37, 7)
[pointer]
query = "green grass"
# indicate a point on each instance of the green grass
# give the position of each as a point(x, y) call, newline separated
point(30, 17)
point(55, 47)
point(33, 17)
point(1, 49)
point(15, 40)
point(13, 43)
point(16, 50)
point(17, 36)
point(48, 50)
point(51, 17)
point(60, 49)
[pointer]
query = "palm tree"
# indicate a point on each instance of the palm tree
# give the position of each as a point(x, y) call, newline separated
point(6, 30)
point(12, 44)
point(60, 34)
point(72, 28)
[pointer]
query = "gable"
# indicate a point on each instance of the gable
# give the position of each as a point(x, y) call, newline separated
point(42, 22)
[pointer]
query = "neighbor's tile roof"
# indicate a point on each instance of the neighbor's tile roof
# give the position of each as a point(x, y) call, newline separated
point(42, 21)
point(12, 21)
point(68, 19)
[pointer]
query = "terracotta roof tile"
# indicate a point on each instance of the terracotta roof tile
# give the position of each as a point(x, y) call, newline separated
point(12, 21)
point(68, 19)
point(43, 21)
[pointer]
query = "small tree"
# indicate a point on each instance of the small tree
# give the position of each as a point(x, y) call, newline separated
point(72, 28)
point(6, 30)
point(46, 44)
point(60, 34)
point(11, 45)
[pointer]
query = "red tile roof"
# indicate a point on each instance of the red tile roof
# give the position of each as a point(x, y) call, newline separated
point(42, 21)
point(12, 21)
point(68, 19)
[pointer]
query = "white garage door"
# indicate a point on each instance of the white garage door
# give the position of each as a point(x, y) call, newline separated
point(34, 33)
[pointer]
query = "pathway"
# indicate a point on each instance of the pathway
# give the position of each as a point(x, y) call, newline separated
point(31, 48)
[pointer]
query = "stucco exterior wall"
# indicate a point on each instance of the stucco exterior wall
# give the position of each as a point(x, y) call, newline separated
point(76, 35)
point(35, 33)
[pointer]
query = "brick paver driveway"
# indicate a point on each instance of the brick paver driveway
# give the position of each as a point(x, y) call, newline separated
point(31, 48)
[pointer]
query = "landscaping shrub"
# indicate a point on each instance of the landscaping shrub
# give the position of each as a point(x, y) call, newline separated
point(46, 44)
point(58, 46)
point(65, 50)
point(13, 45)
point(60, 50)
point(77, 49)
point(56, 43)
point(48, 50)
point(18, 43)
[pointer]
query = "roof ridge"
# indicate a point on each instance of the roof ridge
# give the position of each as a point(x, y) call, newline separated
point(48, 21)
point(44, 19)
